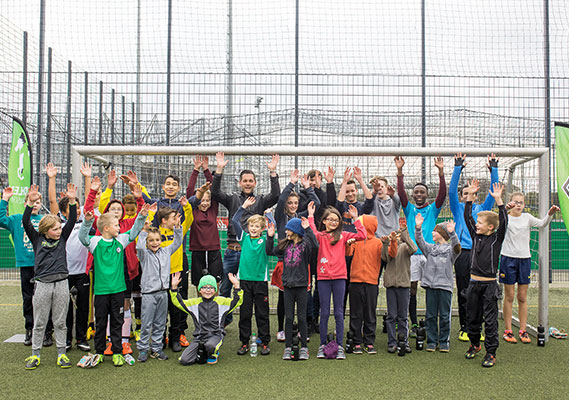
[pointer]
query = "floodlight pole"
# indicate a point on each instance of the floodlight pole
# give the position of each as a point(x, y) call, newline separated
point(544, 182)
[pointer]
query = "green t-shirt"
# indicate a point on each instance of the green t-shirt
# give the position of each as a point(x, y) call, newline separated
point(253, 264)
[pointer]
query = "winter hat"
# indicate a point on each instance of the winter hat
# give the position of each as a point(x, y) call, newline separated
point(442, 230)
point(207, 280)
point(295, 225)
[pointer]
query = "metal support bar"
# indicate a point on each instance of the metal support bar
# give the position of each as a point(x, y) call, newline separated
point(68, 128)
point(544, 182)
point(25, 81)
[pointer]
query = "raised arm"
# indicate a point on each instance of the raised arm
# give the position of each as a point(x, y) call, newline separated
point(424, 246)
point(72, 217)
point(399, 163)
point(216, 193)
point(237, 217)
point(454, 241)
point(85, 228)
point(470, 192)
point(442, 194)
point(51, 171)
point(359, 178)
point(273, 196)
point(493, 167)
point(178, 239)
point(342, 192)
point(5, 221)
point(453, 198)
point(406, 238)
point(33, 196)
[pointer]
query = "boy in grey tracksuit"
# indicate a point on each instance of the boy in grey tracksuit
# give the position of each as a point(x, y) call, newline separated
point(438, 280)
point(154, 283)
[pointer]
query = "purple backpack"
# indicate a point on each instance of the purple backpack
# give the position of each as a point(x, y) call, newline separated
point(331, 349)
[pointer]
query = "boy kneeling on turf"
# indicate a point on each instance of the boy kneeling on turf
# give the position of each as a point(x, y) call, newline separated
point(483, 291)
point(208, 312)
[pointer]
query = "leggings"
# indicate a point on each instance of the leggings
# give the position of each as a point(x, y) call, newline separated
point(327, 289)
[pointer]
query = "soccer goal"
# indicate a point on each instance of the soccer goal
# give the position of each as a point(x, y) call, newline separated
point(520, 169)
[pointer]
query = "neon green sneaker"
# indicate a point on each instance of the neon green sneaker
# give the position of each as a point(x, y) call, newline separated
point(63, 361)
point(96, 360)
point(32, 362)
point(463, 336)
point(118, 360)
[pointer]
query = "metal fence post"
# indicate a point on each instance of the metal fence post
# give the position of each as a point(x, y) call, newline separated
point(25, 80)
point(69, 78)
point(48, 114)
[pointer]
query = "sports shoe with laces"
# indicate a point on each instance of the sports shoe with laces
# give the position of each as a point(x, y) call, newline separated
point(303, 354)
point(509, 336)
point(63, 361)
point(184, 341)
point(118, 360)
point(159, 355)
point(243, 349)
point(391, 349)
point(280, 336)
point(463, 336)
point(370, 349)
point(83, 345)
point(143, 356)
point(126, 348)
point(108, 351)
point(212, 359)
point(176, 346)
point(96, 360)
point(32, 362)
point(524, 337)
point(358, 349)
point(85, 361)
point(287, 354)
point(413, 331)
point(471, 353)
point(341, 353)
point(265, 350)
point(489, 360)
point(320, 353)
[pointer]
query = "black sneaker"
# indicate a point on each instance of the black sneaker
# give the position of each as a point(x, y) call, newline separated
point(489, 360)
point(471, 353)
point(28, 338)
point(408, 348)
point(265, 350)
point(48, 339)
point(413, 331)
point(83, 345)
point(176, 346)
point(32, 362)
point(243, 349)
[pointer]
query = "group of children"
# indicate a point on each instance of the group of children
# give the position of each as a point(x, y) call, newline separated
point(346, 245)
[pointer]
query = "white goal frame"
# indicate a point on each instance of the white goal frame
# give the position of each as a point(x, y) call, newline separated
point(527, 153)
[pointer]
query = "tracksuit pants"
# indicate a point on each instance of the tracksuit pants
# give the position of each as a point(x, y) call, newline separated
point(482, 305)
point(254, 294)
point(363, 301)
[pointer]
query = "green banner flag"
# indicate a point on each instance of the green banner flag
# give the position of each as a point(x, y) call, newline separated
point(19, 167)
point(562, 164)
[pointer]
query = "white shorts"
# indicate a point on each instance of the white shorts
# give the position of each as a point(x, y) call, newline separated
point(417, 264)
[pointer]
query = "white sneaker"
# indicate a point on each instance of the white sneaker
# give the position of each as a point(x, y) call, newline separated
point(280, 336)
point(341, 354)
point(320, 353)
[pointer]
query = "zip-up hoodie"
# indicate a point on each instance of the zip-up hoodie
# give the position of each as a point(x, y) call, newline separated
point(437, 273)
point(367, 254)
point(156, 266)
point(398, 269)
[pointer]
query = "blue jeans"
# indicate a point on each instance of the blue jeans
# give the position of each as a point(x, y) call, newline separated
point(230, 265)
point(438, 307)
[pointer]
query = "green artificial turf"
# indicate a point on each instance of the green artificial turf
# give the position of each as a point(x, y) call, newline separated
point(522, 371)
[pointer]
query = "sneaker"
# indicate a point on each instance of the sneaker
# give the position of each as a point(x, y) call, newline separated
point(91, 331)
point(68, 345)
point(129, 359)
point(524, 337)
point(463, 336)
point(118, 360)
point(243, 349)
point(391, 349)
point(212, 359)
point(413, 331)
point(444, 349)
point(108, 351)
point(471, 353)
point(369, 349)
point(28, 338)
point(83, 345)
point(280, 336)
point(408, 348)
point(96, 360)
point(176, 346)
point(265, 350)
point(159, 355)
point(126, 349)
point(137, 335)
point(303, 353)
point(341, 353)
point(85, 361)
point(143, 356)
point(482, 338)
point(287, 354)
point(63, 361)
point(431, 348)
point(32, 362)
point(48, 339)
point(320, 353)
point(489, 360)
point(184, 341)
point(509, 336)
point(358, 349)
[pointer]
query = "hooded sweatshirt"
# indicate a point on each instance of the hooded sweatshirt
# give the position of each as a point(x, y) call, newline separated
point(367, 254)
point(398, 269)
point(22, 244)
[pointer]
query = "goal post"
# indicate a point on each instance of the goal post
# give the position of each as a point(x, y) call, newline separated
point(523, 155)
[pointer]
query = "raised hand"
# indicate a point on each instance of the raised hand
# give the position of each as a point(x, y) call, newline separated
point(71, 192)
point(393, 236)
point(294, 176)
point(390, 191)
point(553, 210)
point(220, 160)
point(270, 229)
point(311, 209)
point(147, 225)
point(459, 159)
point(205, 162)
point(305, 181)
point(202, 189)
point(440, 164)
point(7, 193)
point(353, 211)
point(112, 179)
point(178, 222)
point(450, 226)
point(197, 162)
point(510, 205)
point(89, 215)
point(176, 279)
point(497, 189)
point(137, 191)
point(492, 161)
point(249, 202)
point(33, 195)
point(233, 279)
point(86, 169)
point(329, 175)
point(51, 170)
point(304, 222)
point(183, 201)
point(399, 162)
point(472, 188)
point(358, 174)
point(347, 174)
point(132, 177)
point(144, 210)
point(272, 165)
point(153, 207)
point(418, 220)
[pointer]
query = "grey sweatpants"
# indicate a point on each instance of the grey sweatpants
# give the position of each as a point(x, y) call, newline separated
point(153, 315)
point(397, 306)
point(52, 296)
point(190, 354)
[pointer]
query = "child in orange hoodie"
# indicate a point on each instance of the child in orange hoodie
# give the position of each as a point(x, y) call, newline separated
point(363, 289)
